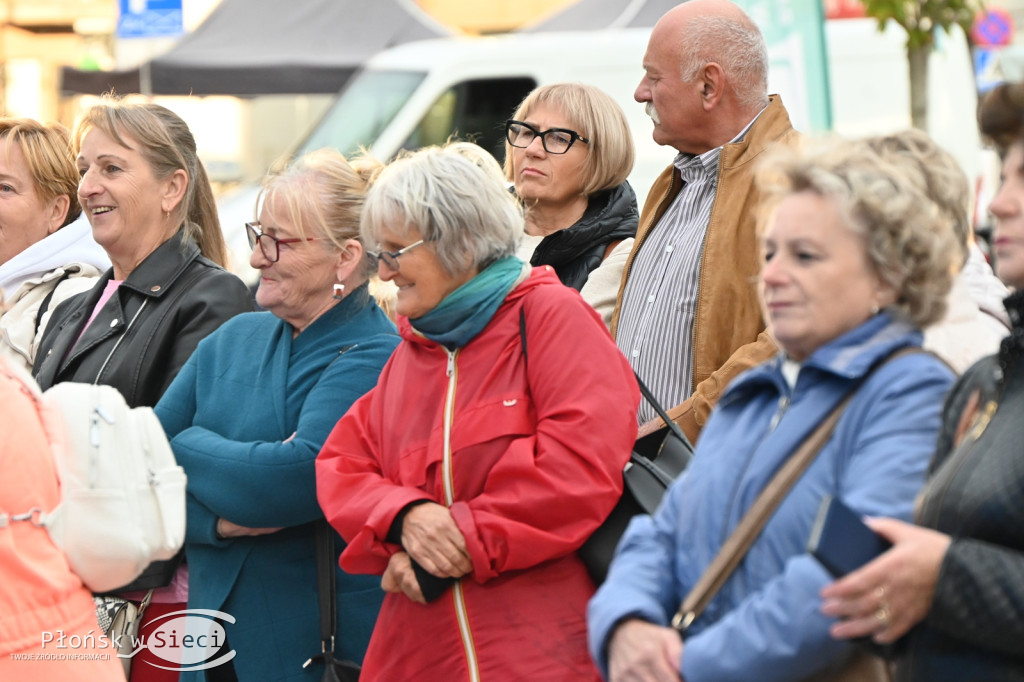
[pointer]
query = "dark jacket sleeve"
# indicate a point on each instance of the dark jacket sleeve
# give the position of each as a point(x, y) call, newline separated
point(979, 594)
point(218, 297)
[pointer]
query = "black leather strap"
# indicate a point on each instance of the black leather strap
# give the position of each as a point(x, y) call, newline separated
point(325, 584)
point(649, 397)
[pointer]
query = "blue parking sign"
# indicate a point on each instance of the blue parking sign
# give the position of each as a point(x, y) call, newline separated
point(149, 19)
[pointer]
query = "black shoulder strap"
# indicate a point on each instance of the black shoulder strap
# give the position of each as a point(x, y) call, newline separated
point(672, 426)
point(326, 593)
point(45, 305)
point(325, 580)
point(522, 331)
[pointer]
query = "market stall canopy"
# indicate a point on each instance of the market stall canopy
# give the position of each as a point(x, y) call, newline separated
point(268, 47)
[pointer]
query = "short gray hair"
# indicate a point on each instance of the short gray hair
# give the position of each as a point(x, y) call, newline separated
point(738, 46)
point(455, 196)
point(909, 242)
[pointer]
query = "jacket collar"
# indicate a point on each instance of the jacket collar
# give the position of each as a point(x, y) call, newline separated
point(158, 272)
point(610, 215)
point(771, 124)
point(338, 315)
point(850, 357)
point(70, 244)
point(1012, 347)
point(691, 166)
point(538, 276)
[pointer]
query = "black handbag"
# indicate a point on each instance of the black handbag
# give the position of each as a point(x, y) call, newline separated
point(657, 459)
point(335, 670)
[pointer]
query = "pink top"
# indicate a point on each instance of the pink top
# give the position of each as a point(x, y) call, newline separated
point(111, 287)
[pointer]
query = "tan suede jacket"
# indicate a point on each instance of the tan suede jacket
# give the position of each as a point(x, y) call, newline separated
point(729, 331)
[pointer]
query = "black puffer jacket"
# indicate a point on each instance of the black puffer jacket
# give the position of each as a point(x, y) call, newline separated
point(975, 629)
point(576, 251)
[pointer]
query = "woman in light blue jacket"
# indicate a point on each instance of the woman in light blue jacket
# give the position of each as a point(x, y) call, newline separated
point(856, 260)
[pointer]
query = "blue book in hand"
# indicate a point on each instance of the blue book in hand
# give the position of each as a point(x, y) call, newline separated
point(840, 540)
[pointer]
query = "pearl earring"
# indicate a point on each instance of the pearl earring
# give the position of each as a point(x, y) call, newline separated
point(339, 291)
point(874, 309)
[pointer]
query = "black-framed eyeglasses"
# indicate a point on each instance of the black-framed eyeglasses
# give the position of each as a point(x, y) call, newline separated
point(554, 140)
point(390, 258)
point(269, 244)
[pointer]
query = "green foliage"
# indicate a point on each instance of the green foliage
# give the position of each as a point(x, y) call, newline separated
point(919, 18)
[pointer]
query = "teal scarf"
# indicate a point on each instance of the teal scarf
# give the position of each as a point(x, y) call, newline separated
point(466, 311)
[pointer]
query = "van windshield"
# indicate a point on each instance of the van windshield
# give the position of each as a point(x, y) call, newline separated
point(363, 110)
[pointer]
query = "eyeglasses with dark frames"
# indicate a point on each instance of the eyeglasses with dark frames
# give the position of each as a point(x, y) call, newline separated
point(269, 244)
point(390, 258)
point(554, 140)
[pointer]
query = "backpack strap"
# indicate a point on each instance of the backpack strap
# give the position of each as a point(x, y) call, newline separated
point(45, 305)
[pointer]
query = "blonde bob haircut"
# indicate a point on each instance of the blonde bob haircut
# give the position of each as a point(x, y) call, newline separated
point(908, 241)
point(167, 144)
point(594, 115)
point(455, 197)
point(323, 195)
point(47, 152)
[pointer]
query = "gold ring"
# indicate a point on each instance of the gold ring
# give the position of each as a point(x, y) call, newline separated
point(880, 593)
point(882, 615)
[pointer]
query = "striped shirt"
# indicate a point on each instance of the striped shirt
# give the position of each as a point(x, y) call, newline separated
point(659, 304)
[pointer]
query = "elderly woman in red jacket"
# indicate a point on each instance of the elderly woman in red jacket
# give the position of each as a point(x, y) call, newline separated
point(492, 446)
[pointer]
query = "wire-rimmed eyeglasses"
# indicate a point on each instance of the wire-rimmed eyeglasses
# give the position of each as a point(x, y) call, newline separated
point(554, 140)
point(390, 258)
point(269, 244)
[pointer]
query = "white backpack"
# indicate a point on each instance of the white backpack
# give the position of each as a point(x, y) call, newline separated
point(122, 494)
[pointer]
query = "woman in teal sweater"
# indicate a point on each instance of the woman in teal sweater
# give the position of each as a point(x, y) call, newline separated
point(249, 412)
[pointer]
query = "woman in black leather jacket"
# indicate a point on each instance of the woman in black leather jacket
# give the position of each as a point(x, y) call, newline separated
point(568, 152)
point(151, 208)
point(954, 584)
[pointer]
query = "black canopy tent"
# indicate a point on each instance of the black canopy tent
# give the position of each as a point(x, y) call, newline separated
point(264, 47)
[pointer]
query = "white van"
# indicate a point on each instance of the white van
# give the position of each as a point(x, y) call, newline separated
point(421, 93)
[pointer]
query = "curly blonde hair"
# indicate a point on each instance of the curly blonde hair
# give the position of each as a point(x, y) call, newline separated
point(910, 243)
